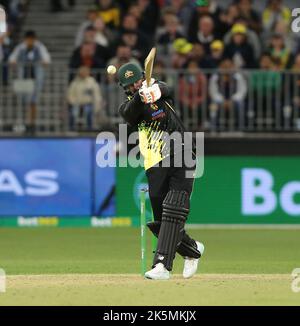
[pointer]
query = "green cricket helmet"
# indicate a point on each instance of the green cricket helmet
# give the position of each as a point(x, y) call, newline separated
point(130, 73)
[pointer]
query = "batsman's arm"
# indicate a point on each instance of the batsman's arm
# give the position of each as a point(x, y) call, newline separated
point(131, 110)
point(165, 90)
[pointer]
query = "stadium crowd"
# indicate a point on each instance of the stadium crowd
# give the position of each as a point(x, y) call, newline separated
point(190, 35)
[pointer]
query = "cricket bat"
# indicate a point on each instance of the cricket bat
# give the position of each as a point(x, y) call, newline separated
point(149, 66)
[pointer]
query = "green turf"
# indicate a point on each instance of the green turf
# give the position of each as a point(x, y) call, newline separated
point(48, 251)
point(117, 251)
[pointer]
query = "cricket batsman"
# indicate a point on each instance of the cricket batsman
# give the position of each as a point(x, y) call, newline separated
point(149, 108)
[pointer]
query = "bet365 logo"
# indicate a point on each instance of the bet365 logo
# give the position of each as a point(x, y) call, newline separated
point(296, 22)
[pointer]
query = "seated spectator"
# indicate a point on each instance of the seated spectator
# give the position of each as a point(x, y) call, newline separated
point(103, 35)
point(110, 13)
point(207, 8)
point(181, 51)
point(252, 17)
point(227, 91)
point(85, 99)
point(131, 24)
point(252, 37)
point(198, 54)
point(239, 50)
point(229, 17)
point(275, 11)
point(170, 32)
point(182, 9)
point(123, 55)
point(205, 33)
point(138, 50)
point(291, 39)
point(92, 15)
point(31, 56)
point(217, 54)
point(192, 93)
point(149, 16)
point(265, 85)
point(89, 54)
point(280, 52)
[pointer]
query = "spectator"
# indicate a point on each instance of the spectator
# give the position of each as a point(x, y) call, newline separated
point(291, 39)
point(252, 37)
point(274, 12)
point(85, 99)
point(170, 33)
point(89, 54)
point(131, 39)
point(123, 55)
point(103, 36)
point(198, 54)
point(130, 23)
point(92, 15)
point(227, 90)
point(5, 47)
point(280, 52)
point(5, 44)
point(31, 56)
point(252, 17)
point(110, 13)
point(229, 17)
point(149, 16)
point(265, 85)
point(205, 33)
point(192, 92)
point(239, 50)
point(182, 9)
point(217, 54)
point(207, 8)
point(181, 51)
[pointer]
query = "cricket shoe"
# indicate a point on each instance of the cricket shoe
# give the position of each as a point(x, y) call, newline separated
point(191, 264)
point(159, 272)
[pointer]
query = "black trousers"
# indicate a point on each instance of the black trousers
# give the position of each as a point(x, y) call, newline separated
point(162, 179)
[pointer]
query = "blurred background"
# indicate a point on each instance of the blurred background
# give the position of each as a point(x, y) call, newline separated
point(234, 69)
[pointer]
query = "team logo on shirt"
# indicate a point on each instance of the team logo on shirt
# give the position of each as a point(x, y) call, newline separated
point(154, 106)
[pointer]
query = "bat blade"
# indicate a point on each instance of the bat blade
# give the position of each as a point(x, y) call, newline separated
point(149, 65)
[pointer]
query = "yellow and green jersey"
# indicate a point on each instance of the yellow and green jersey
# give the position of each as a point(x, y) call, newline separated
point(155, 122)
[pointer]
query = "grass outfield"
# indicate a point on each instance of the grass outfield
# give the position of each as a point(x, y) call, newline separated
point(101, 266)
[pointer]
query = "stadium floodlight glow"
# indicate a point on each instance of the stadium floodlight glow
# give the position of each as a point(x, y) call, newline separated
point(2, 21)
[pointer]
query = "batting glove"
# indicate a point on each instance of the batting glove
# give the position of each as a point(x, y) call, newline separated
point(150, 94)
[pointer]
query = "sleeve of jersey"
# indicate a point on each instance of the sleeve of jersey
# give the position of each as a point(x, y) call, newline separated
point(165, 89)
point(132, 110)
